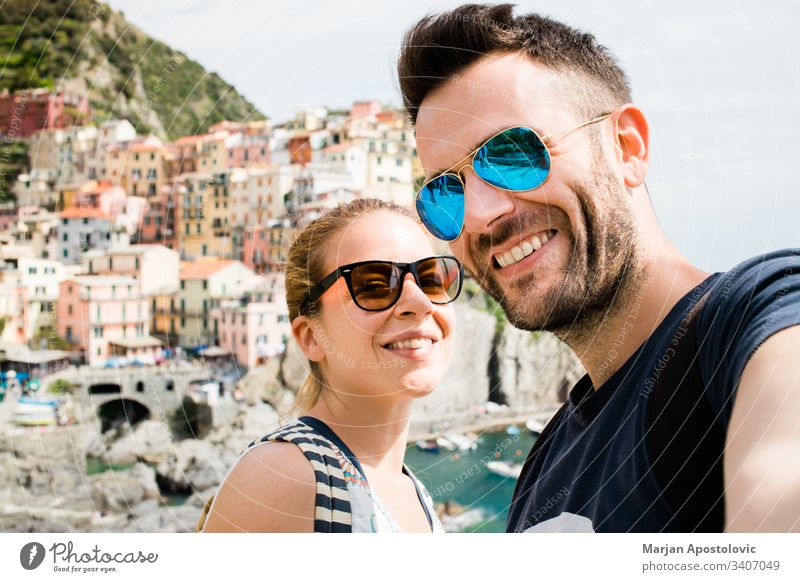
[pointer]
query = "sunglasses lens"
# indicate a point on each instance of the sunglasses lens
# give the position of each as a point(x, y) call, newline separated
point(440, 279)
point(440, 205)
point(514, 160)
point(375, 285)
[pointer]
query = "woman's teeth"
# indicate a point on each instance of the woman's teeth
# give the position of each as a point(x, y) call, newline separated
point(525, 248)
point(410, 344)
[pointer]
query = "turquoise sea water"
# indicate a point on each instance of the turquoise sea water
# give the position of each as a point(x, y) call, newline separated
point(463, 477)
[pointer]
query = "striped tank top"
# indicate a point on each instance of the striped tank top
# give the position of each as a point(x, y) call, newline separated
point(344, 502)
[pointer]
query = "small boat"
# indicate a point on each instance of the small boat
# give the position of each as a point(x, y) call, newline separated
point(35, 412)
point(428, 446)
point(505, 469)
point(445, 443)
point(463, 520)
point(462, 442)
point(534, 426)
point(513, 430)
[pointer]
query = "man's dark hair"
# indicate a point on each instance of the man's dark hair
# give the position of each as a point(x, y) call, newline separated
point(442, 45)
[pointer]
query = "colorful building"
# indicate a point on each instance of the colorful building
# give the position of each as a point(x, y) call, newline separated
point(205, 283)
point(100, 313)
point(24, 112)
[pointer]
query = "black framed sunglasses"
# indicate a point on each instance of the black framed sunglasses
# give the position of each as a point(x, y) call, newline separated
point(377, 285)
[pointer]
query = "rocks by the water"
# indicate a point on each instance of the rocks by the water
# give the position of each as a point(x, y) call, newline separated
point(149, 439)
point(120, 491)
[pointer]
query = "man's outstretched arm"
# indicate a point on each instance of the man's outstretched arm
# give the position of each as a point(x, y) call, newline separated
point(762, 452)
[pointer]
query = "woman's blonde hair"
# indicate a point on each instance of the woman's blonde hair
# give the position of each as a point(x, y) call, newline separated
point(304, 270)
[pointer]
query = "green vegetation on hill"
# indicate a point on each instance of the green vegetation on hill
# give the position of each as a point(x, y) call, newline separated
point(84, 45)
point(13, 162)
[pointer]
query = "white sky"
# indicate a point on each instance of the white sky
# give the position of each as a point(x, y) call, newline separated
point(718, 80)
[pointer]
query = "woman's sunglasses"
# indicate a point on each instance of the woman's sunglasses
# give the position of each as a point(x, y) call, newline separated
point(515, 159)
point(377, 285)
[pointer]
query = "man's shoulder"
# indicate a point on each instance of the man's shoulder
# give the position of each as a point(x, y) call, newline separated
point(755, 270)
point(753, 275)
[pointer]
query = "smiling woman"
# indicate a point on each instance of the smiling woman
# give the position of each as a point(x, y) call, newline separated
point(369, 302)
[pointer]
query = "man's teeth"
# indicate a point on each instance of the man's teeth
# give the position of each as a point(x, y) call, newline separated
point(410, 344)
point(524, 249)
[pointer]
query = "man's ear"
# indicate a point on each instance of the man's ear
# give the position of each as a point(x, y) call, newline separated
point(309, 336)
point(632, 144)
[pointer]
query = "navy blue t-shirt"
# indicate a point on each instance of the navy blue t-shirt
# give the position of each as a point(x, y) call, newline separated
point(595, 469)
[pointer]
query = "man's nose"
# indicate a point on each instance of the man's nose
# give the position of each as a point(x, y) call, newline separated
point(483, 204)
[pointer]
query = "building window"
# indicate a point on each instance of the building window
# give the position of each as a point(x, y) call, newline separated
point(205, 284)
point(398, 162)
point(69, 310)
point(140, 386)
point(170, 386)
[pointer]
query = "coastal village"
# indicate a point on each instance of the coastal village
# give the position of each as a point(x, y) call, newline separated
point(120, 248)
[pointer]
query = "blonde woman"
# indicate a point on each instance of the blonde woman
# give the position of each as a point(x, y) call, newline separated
point(370, 305)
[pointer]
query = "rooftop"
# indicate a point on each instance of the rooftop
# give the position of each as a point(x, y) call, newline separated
point(77, 212)
point(136, 342)
point(203, 268)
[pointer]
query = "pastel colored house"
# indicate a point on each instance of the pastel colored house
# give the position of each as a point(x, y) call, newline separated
point(105, 316)
point(82, 229)
point(155, 267)
point(204, 284)
point(254, 332)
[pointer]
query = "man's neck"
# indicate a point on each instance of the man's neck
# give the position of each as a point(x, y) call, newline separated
point(608, 340)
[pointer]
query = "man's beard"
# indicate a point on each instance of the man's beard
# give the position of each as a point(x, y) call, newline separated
point(602, 270)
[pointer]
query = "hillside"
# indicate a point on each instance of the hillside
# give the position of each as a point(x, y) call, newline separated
point(83, 46)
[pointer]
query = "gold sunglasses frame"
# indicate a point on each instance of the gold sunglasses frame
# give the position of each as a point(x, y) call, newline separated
point(469, 159)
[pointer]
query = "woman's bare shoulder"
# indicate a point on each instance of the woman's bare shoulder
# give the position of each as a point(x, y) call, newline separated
point(270, 489)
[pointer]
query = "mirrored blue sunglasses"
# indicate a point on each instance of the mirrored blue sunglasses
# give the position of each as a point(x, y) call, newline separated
point(516, 160)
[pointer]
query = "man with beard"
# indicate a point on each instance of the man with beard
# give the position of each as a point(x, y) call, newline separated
point(535, 163)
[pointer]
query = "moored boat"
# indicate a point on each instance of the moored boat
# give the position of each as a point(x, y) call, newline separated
point(505, 469)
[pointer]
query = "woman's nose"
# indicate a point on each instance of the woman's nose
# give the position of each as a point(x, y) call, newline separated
point(413, 300)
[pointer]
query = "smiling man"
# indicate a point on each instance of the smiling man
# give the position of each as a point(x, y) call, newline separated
point(535, 164)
